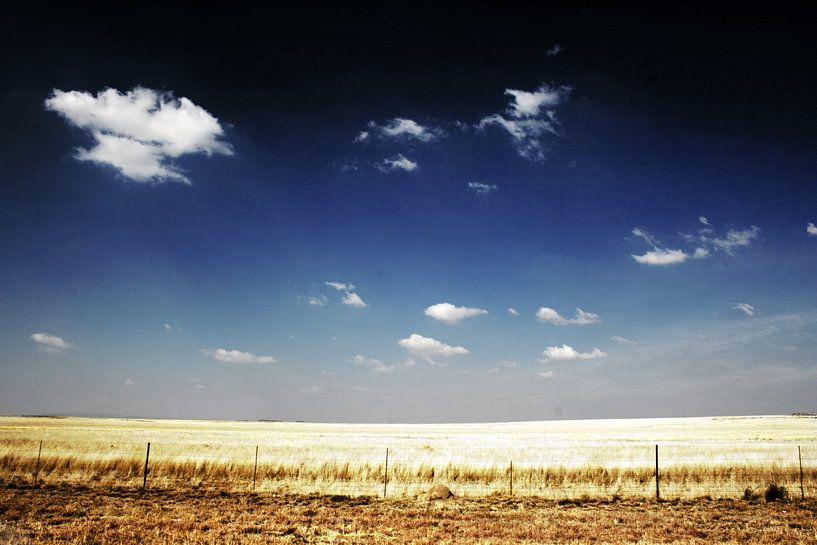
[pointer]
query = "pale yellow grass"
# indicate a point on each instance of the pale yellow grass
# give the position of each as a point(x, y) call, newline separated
point(719, 457)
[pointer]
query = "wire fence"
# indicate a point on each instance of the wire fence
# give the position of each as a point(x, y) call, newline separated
point(561, 472)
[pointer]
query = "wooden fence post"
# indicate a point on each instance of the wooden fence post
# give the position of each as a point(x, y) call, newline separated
point(145, 475)
point(511, 478)
point(800, 459)
point(255, 469)
point(386, 473)
point(657, 478)
point(40, 451)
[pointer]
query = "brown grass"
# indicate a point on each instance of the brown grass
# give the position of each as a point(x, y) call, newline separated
point(75, 514)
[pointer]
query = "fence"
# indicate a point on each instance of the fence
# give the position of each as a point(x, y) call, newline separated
point(668, 471)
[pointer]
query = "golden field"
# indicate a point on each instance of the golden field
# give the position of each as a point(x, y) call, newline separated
point(717, 457)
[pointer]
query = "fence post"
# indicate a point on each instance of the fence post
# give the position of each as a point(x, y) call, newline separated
point(255, 469)
point(386, 473)
point(511, 478)
point(657, 478)
point(800, 459)
point(40, 451)
point(145, 475)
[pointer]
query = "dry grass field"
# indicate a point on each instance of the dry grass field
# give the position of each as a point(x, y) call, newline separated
point(73, 514)
point(717, 457)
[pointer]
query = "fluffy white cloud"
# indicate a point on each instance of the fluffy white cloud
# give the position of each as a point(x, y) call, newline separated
point(547, 314)
point(530, 116)
point(401, 129)
point(512, 311)
point(340, 286)
point(141, 131)
point(661, 256)
point(736, 239)
point(428, 348)
point(318, 301)
point(450, 314)
point(237, 356)
point(50, 343)
point(745, 308)
point(353, 300)
point(811, 229)
point(481, 189)
point(378, 366)
point(397, 162)
point(568, 353)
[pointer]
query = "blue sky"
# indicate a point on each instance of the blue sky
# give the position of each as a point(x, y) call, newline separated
point(336, 219)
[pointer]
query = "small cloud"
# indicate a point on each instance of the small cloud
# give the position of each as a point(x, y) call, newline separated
point(401, 129)
point(50, 343)
point(736, 239)
point(553, 51)
point(427, 348)
point(512, 311)
point(169, 327)
point(378, 366)
point(450, 314)
point(353, 300)
point(140, 132)
point(700, 253)
point(502, 365)
point(129, 381)
point(567, 353)
point(622, 340)
point(237, 356)
point(547, 314)
point(811, 229)
point(362, 136)
point(545, 375)
point(661, 257)
point(318, 301)
point(480, 188)
point(745, 308)
point(644, 235)
point(310, 389)
point(703, 220)
point(397, 162)
point(340, 286)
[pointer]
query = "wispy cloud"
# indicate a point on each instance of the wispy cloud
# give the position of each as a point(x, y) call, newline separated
point(236, 356)
point(318, 301)
point(502, 365)
point(735, 239)
point(450, 314)
point(553, 51)
point(428, 348)
point(545, 375)
point(811, 229)
point(745, 308)
point(340, 286)
point(480, 188)
point(397, 162)
point(378, 366)
point(622, 340)
point(530, 116)
point(400, 128)
point(568, 353)
point(547, 314)
point(169, 327)
point(512, 311)
point(50, 343)
point(140, 132)
point(353, 300)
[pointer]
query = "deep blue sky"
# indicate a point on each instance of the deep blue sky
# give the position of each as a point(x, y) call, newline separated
point(149, 296)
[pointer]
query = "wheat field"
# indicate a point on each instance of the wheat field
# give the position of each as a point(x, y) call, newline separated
point(715, 456)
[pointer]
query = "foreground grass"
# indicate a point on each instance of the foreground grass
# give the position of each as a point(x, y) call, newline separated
point(71, 514)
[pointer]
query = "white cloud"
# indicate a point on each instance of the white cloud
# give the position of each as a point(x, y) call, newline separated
point(555, 50)
point(50, 343)
point(622, 340)
point(237, 356)
point(512, 311)
point(318, 301)
point(545, 375)
point(378, 366)
point(735, 239)
point(502, 365)
point(661, 256)
point(170, 327)
point(340, 286)
point(567, 353)
point(427, 348)
point(450, 314)
point(700, 253)
point(547, 314)
point(353, 300)
point(481, 189)
point(704, 220)
point(401, 129)
point(643, 234)
point(745, 308)
point(140, 132)
point(397, 162)
point(130, 382)
point(811, 229)
point(530, 116)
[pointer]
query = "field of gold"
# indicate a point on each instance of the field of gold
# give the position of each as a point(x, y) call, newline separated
point(718, 457)
point(75, 514)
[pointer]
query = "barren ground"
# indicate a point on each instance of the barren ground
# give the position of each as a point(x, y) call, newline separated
point(76, 514)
